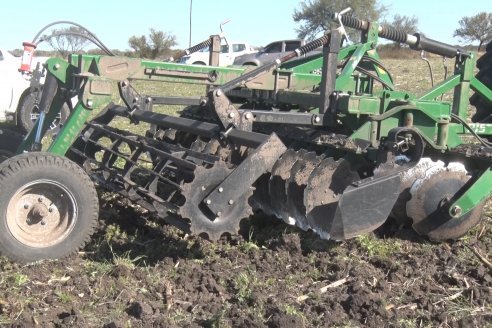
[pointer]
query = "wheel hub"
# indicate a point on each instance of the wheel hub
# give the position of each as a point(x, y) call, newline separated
point(41, 213)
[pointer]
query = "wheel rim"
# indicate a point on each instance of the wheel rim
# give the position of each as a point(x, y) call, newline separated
point(41, 213)
point(35, 115)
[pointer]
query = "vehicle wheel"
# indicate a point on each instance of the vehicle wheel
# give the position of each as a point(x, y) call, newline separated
point(9, 142)
point(27, 114)
point(48, 207)
point(483, 106)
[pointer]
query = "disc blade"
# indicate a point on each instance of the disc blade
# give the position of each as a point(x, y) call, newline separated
point(280, 174)
point(325, 185)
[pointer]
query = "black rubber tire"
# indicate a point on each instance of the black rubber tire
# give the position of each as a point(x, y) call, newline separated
point(26, 109)
point(483, 113)
point(9, 142)
point(69, 191)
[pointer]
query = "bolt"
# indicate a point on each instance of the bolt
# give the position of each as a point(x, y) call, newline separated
point(231, 115)
point(124, 84)
point(57, 66)
point(219, 213)
point(26, 206)
point(221, 189)
point(248, 116)
point(218, 93)
point(40, 199)
point(136, 99)
point(148, 100)
point(203, 188)
point(316, 119)
point(456, 211)
point(43, 222)
point(90, 103)
point(50, 209)
point(231, 202)
point(208, 202)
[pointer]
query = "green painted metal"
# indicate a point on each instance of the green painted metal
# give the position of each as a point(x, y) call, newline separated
point(480, 190)
point(442, 88)
point(481, 88)
point(71, 130)
point(462, 91)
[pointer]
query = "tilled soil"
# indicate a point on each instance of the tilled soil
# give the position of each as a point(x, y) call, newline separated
point(140, 272)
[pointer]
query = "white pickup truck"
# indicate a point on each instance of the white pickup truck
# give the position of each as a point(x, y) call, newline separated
point(16, 100)
point(228, 52)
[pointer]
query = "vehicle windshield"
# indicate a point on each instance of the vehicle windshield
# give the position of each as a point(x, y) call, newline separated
point(237, 47)
point(224, 48)
point(273, 47)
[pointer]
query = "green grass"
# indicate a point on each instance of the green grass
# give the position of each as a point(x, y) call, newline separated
point(378, 247)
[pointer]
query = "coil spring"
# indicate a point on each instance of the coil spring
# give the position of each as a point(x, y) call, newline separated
point(314, 44)
point(393, 34)
point(386, 32)
point(354, 22)
point(199, 46)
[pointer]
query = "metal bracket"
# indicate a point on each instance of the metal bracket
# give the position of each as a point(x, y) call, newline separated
point(260, 161)
point(226, 113)
point(132, 99)
point(246, 122)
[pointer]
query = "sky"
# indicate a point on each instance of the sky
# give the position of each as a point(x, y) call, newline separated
point(255, 21)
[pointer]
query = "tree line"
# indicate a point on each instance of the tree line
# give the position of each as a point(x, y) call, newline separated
point(312, 15)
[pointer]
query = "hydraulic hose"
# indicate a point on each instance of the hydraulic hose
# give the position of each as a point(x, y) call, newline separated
point(416, 41)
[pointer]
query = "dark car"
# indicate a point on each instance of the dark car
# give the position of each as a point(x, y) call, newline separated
point(269, 53)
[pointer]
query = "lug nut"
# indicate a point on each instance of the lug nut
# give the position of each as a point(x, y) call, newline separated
point(219, 213)
point(43, 222)
point(231, 115)
point(208, 202)
point(40, 199)
point(221, 189)
point(231, 202)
